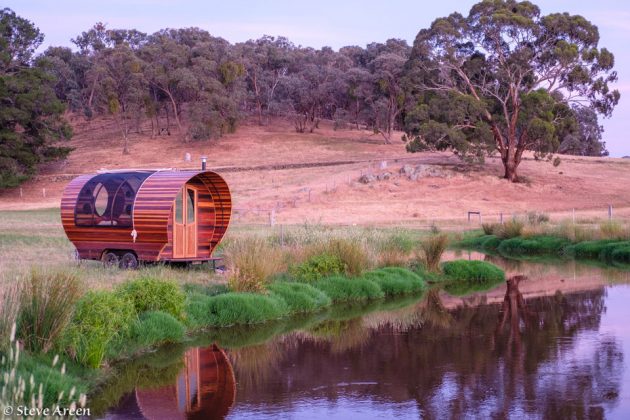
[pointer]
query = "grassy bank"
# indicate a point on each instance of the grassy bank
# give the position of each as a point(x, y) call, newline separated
point(607, 243)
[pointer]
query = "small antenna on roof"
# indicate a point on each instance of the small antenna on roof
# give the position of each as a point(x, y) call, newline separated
point(204, 159)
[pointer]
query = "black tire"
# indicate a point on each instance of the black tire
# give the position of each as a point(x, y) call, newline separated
point(110, 259)
point(128, 261)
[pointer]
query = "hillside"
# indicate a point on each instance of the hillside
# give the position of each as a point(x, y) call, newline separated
point(315, 177)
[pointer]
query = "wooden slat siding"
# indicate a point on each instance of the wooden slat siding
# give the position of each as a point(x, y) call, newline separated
point(222, 200)
point(152, 217)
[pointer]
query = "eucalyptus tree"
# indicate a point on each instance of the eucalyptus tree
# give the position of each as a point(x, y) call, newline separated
point(266, 62)
point(121, 86)
point(387, 64)
point(31, 121)
point(503, 78)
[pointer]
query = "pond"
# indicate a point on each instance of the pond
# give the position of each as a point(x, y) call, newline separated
point(552, 345)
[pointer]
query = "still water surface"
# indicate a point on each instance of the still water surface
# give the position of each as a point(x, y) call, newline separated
point(554, 345)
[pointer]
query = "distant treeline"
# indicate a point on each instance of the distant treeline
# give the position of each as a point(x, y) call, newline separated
point(198, 86)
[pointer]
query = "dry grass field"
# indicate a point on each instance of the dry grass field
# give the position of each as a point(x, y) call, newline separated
point(313, 178)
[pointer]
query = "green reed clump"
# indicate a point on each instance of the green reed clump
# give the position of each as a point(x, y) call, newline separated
point(612, 229)
point(300, 297)
point(342, 289)
point(234, 309)
point(47, 301)
point(472, 271)
point(539, 245)
point(155, 328)
point(99, 318)
point(153, 294)
point(432, 249)
point(396, 280)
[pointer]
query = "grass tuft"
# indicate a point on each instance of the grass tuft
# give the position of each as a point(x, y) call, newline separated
point(234, 308)
point(432, 249)
point(465, 276)
point(47, 300)
point(251, 263)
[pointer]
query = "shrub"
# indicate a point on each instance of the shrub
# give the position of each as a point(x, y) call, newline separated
point(251, 262)
point(351, 253)
point(432, 248)
point(318, 266)
point(557, 161)
point(157, 327)
point(47, 300)
point(510, 229)
point(472, 272)
point(343, 289)
point(300, 297)
point(151, 294)
point(235, 308)
point(395, 280)
point(99, 317)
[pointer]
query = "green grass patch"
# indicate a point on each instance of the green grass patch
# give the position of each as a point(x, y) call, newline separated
point(234, 309)
point(588, 249)
point(300, 297)
point(472, 271)
point(342, 289)
point(395, 280)
point(465, 277)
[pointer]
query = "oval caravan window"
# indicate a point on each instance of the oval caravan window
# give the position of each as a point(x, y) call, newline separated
point(101, 199)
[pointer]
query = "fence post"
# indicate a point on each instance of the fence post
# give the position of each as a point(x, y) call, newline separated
point(610, 212)
point(272, 217)
point(573, 215)
point(501, 217)
point(21, 192)
point(44, 192)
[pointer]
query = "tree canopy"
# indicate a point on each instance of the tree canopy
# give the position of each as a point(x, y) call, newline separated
point(504, 78)
point(31, 114)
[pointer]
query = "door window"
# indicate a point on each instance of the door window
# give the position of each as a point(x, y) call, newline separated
point(190, 206)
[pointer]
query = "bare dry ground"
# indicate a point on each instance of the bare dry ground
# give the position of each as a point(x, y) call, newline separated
point(314, 177)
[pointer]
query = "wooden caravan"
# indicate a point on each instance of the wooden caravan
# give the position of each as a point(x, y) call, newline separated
point(126, 216)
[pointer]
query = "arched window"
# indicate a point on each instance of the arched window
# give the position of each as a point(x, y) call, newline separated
point(107, 199)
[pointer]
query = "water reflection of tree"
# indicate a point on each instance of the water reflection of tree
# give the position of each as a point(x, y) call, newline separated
point(489, 360)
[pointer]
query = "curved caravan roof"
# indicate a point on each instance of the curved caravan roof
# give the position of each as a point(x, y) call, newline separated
point(107, 207)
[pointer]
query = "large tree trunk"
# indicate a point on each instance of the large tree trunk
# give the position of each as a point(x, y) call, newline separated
point(510, 162)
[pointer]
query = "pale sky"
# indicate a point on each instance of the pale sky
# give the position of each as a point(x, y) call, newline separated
point(322, 23)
